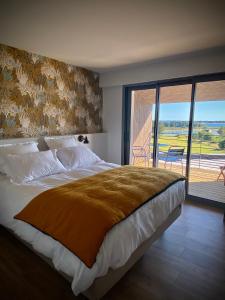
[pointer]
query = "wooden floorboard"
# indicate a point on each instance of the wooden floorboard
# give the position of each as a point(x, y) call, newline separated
point(187, 262)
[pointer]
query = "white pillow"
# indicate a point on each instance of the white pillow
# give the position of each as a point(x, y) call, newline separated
point(60, 142)
point(26, 167)
point(20, 148)
point(77, 157)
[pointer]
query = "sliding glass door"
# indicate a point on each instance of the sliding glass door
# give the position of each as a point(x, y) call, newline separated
point(207, 179)
point(179, 125)
point(173, 125)
point(160, 137)
point(142, 127)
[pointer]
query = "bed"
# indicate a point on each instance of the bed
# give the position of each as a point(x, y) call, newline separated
point(123, 245)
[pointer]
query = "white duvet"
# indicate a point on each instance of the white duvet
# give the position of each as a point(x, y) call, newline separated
point(118, 244)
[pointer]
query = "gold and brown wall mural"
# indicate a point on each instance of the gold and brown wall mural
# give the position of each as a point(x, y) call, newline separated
point(43, 96)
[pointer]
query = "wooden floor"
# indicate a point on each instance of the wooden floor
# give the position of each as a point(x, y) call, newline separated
point(188, 262)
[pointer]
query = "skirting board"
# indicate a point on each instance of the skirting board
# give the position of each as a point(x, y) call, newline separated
point(103, 284)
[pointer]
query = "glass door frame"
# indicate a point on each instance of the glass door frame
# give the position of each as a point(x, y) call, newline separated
point(126, 119)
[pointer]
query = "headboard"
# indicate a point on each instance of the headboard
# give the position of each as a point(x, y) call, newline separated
point(97, 142)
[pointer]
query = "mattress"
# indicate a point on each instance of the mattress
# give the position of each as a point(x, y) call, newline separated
point(119, 243)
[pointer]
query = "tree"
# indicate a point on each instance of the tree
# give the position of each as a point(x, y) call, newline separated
point(200, 135)
point(161, 128)
point(195, 136)
point(222, 144)
point(205, 135)
point(221, 131)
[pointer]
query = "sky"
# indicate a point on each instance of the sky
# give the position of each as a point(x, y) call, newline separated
point(204, 111)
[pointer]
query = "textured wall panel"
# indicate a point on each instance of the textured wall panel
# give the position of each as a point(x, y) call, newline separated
point(43, 96)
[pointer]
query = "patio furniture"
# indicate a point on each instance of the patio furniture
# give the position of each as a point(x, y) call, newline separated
point(174, 155)
point(142, 152)
point(222, 173)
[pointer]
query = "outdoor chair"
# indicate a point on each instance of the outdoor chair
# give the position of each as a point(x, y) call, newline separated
point(142, 152)
point(173, 155)
point(222, 173)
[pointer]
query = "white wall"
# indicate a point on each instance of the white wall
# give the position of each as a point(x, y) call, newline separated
point(112, 121)
point(204, 62)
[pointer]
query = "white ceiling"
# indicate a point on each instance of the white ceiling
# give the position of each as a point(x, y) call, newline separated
point(105, 34)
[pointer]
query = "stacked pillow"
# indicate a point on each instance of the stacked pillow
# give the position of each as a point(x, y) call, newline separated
point(23, 162)
point(20, 148)
point(77, 157)
point(60, 142)
point(26, 167)
point(72, 155)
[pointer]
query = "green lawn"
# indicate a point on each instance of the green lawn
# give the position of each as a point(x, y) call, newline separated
point(206, 147)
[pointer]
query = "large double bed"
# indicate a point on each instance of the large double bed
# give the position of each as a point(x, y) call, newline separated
point(123, 245)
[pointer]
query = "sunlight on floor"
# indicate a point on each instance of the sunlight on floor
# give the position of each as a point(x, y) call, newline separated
point(203, 182)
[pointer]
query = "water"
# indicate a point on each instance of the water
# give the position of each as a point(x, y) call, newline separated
point(215, 124)
point(175, 132)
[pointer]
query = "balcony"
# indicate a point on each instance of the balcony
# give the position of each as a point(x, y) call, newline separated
point(204, 169)
point(172, 115)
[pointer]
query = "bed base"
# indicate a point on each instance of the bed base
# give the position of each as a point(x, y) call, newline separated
point(103, 284)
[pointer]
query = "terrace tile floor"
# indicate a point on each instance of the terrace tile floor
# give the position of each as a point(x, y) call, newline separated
point(203, 182)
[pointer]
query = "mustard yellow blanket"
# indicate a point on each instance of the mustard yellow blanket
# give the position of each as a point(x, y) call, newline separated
point(79, 214)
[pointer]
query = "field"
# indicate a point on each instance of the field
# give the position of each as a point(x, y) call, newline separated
point(198, 147)
point(170, 136)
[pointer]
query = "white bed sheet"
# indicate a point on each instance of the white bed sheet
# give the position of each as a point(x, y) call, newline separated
point(118, 244)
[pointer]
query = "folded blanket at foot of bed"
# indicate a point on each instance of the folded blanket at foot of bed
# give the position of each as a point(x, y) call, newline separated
point(79, 214)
